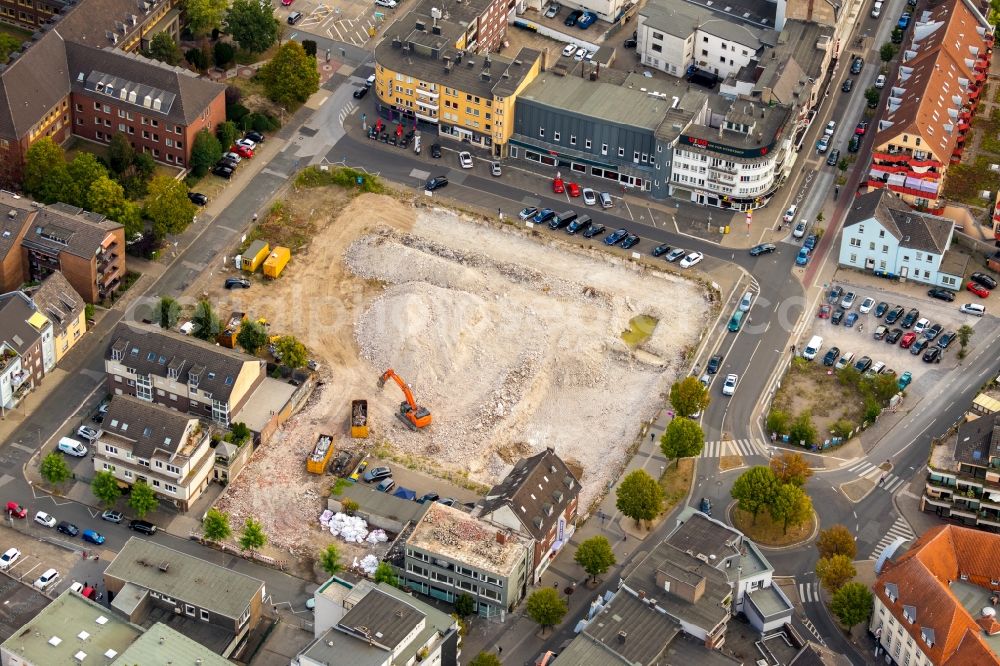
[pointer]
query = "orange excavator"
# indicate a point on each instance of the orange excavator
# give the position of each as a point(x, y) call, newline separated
point(410, 413)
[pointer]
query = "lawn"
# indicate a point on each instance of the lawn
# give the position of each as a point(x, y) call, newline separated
point(676, 482)
point(807, 386)
point(19, 34)
point(767, 532)
point(965, 181)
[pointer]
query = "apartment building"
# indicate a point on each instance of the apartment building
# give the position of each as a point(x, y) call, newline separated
point(934, 605)
point(181, 372)
point(539, 499)
point(61, 304)
point(449, 553)
point(931, 102)
point(213, 605)
point(27, 349)
point(168, 450)
point(963, 475)
point(439, 71)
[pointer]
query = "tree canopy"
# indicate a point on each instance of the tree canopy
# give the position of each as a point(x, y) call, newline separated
point(252, 25)
point(204, 15)
point(791, 505)
point(546, 607)
point(595, 556)
point(215, 526)
point(837, 540)
point(162, 47)
point(754, 489)
point(290, 77)
point(683, 438)
point(252, 336)
point(852, 604)
point(54, 468)
point(105, 488)
point(834, 572)
point(790, 467)
point(640, 497)
point(205, 151)
point(206, 322)
point(168, 206)
point(293, 353)
point(252, 537)
point(45, 174)
point(107, 197)
point(329, 559)
point(688, 396)
point(142, 499)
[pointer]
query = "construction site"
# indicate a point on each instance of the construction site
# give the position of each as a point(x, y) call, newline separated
point(510, 340)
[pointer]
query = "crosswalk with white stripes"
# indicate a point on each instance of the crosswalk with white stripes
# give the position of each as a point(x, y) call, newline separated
point(731, 447)
point(809, 592)
point(866, 470)
point(900, 528)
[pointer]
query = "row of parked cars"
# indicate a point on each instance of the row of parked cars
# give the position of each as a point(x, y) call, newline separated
point(382, 476)
point(242, 149)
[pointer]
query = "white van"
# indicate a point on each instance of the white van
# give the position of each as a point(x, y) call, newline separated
point(72, 447)
point(877, 10)
point(812, 348)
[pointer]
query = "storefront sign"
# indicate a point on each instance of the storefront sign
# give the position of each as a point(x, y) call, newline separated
point(723, 148)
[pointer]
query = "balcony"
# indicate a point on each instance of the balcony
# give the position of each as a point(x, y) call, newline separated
point(425, 118)
point(428, 93)
point(427, 105)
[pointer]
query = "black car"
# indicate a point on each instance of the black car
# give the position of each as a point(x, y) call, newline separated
point(857, 65)
point(942, 294)
point(837, 317)
point(713, 364)
point(573, 17)
point(360, 92)
point(932, 332)
point(945, 340)
point(763, 248)
point(661, 249)
point(616, 237)
point(831, 356)
point(881, 309)
point(67, 528)
point(983, 280)
point(919, 345)
point(834, 296)
point(142, 526)
point(577, 224)
point(894, 314)
point(932, 355)
point(429, 497)
point(223, 171)
point(848, 84)
point(894, 336)
point(435, 183)
point(436, 151)
point(594, 229)
point(197, 198)
point(228, 161)
point(233, 282)
point(254, 136)
point(631, 43)
point(854, 145)
point(833, 157)
point(880, 332)
point(863, 364)
point(705, 506)
point(630, 241)
point(910, 318)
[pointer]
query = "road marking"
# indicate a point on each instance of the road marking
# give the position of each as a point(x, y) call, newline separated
point(809, 593)
point(731, 447)
point(900, 528)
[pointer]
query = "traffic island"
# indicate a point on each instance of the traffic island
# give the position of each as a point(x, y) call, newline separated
point(770, 533)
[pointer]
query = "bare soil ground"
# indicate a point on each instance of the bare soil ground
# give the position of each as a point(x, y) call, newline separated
point(512, 342)
point(815, 387)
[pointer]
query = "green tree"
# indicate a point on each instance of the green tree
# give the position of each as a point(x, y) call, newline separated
point(105, 488)
point(215, 527)
point(852, 604)
point(83, 171)
point(121, 154)
point(223, 53)
point(309, 46)
point(834, 572)
point(162, 47)
point(252, 537)
point(791, 505)
point(873, 95)
point(142, 499)
point(252, 25)
point(964, 335)
point(884, 386)
point(239, 433)
point(329, 559)
point(843, 165)
point(595, 556)
point(384, 573)
point(54, 468)
point(252, 336)
point(197, 59)
point(803, 430)
point(546, 607)
point(688, 396)
point(168, 206)
point(837, 540)
point(227, 132)
point(639, 496)
point(683, 438)
point(170, 312)
point(465, 605)
point(106, 197)
point(136, 177)
point(790, 467)
point(777, 421)
point(887, 52)
point(206, 322)
point(8, 44)
point(485, 659)
point(291, 76)
point(292, 352)
point(204, 15)
point(754, 489)
point(46, 176)
point(205, 151)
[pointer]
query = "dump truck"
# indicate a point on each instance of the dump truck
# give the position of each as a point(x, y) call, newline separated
point(227, 337)
point(254, 256)
point(359, 419)
point(276, 261)
point(320, 455)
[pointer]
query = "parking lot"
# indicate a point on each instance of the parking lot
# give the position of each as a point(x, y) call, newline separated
point(344, 20)
point(43, 548)
point(421, 483)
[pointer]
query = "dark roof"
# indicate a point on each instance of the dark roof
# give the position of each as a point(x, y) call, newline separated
point(149, 350)
point(58, 301)
point(150, 427)
point(16, 213)
point(919, 231)
point(699, 535)
point(32, 85)
point(537, 490)
point(182, 94)
point(813, 654)
point(978, 440)
point(382, 619)
point(632, 630)
point(62, 228)
point(768, 122)
point(91, 20)
point(15, 311)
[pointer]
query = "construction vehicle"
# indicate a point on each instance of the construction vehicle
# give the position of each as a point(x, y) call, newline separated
point(320, 456)
point(410, 413)
point(359, 419)
point(227, 337)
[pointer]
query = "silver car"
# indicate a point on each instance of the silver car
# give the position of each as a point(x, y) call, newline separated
point(606, 200)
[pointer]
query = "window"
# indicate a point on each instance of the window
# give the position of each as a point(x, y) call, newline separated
point(885, 249)
point(855, 242)
point(204, 615)
point(621, 152)
point(541, 132)
point(169, 488)
point(189, 609)
point(572, 140)
point(881, 233)
point(604, 149)
point(587, 144)
point(555, 136)
point(871, 246)
point(635, 156)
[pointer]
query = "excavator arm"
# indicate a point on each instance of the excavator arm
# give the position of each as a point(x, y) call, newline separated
point(412, 414)
point(391, 374)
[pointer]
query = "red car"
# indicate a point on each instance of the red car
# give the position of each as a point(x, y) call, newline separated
point(861, 128)
point(980, 291)
point(573, 189)
point(242, 151)
point(286, 2)
point(824, 312)
point(557, 185)
point(15, 510)
point(907, 340)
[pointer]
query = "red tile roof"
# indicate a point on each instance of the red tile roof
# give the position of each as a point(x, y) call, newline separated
point(922, 577)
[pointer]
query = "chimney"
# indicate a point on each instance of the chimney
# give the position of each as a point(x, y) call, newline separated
point(501, 538)
point(642, 594)
point(622, 635)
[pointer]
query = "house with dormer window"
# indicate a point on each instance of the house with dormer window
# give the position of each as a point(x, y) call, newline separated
point(537, 499)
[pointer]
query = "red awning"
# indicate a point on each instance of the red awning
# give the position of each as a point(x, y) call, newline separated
point(962, 127)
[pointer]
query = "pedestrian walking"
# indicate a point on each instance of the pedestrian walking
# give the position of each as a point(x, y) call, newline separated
point(499, 650)
point(255, 217)
point(652, 436)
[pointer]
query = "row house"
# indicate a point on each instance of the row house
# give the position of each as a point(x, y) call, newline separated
point(61, 304)
point(931, 102)
point(27, 349)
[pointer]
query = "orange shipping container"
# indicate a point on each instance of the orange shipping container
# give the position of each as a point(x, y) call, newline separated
point(276, 261)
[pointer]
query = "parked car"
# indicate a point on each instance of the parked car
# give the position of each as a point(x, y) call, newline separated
point(837, 317)
point(44, 519)
point(834, 295)
point(660, 250)
point(588, 19)
point(242, 151)
point(675, 254)
point(984, 280)
point(257, 137)
point(112, 516)
point(385, 485)
point(495, 169)
point(830, 128)
point(692, 259)
point(866, 305)
point(800, 229)
point(90, 536)
point(377, 474)
point(527, 213)
point(729, 385)
point(844, 361)
point(594, 229)
point(294, 18)
point(360, 92)
point(46, 579)
point(911, 318)
point(589, 196)
point(848, 301)
point(713, 364)
point(223, 171)
point(572, 189)
point(824, 311)
point(863, 364)
point(932, 355)
point(893, 336)
point(606, 200)
point(763, 248)
point(880, 81)
point(833, 157)
point(465, 159)
point(810, 242)
point(746, 301)
point(977, 289)
point(705, 506)
point(553, 10)
point(630, 241)
point(861, 128)
point(823, 144)
point(630, 43)
point(197, 198)
point(854, 145)
point(904, 21)
point(945, 340)
point(88, 433)
point(921, 325)
point(848, 84)
point(436, 151)
point(831, 356)
point(789, 215)
point(803, 257)
point(880, 332)
point(941, 294)
point(428, 497)
point(857, 65)
point(919, 346)
point(436, 183)
point(852, 318)
point(544, 215)
point(616, 237)
point(234, 282)
point(573, 17)
point(557, 186)
point(68, 529)
point(143, 527)
point(974, 309)
point(10, 556)
point(895, 313)
point(904, 380)
point(247, 142)
point(881, 309)
point(569, 50)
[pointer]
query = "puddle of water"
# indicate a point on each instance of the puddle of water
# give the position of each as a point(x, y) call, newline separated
point(640, 329)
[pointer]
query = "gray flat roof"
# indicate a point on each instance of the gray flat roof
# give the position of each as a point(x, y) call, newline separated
point(597, 99)
point(756, 12)
point(769, 601)
point(647, 630)
point(162, 646)
point(700, 535)
point(689, 651)
point(386, 505)
point(769, 124)
point(680, 19)
point(269, 398)
point(186, 578)
point(336, 647)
